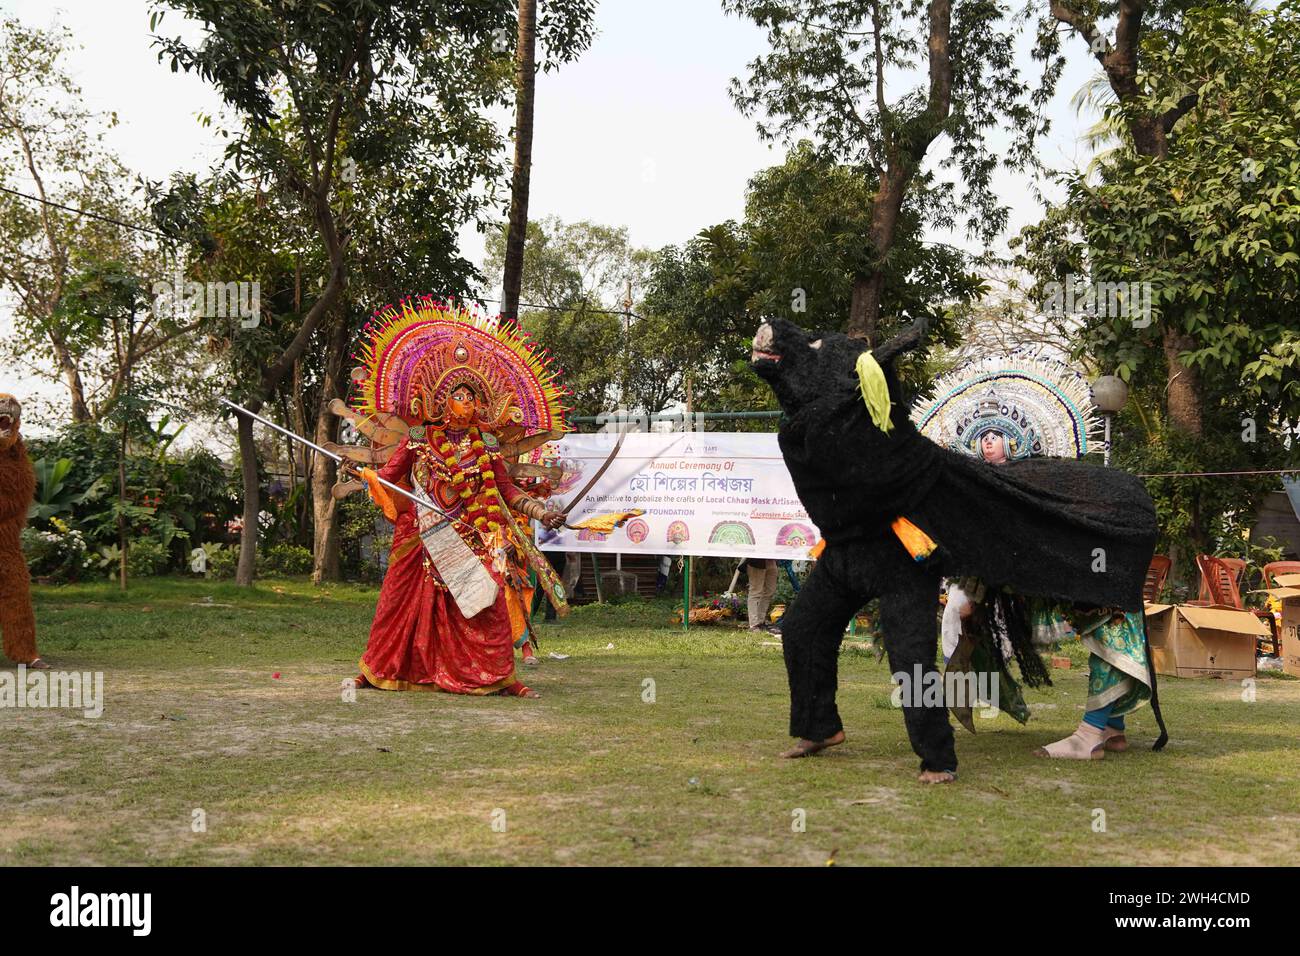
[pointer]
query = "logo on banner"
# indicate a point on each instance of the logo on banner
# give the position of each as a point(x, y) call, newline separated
point(731, 532)
point(796, 535)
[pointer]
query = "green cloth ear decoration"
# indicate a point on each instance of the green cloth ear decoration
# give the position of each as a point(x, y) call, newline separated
point(875, 391)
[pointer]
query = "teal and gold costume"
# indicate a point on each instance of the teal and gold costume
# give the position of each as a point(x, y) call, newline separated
point(1010, 408)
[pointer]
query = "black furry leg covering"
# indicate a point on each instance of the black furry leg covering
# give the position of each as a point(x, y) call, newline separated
point(811, 633)
point(907, 618)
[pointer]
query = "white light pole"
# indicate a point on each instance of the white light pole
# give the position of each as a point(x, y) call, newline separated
point(1109, 394)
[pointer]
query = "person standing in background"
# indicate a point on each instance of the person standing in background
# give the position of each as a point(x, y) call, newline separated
point(661, 577)
point(573, 573)
point(762, 588)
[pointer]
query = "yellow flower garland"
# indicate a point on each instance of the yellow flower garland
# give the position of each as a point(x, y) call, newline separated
point(482, 507)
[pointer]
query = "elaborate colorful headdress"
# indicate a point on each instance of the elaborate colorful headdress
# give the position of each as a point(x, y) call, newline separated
point(1043, 407)
point(416, 354)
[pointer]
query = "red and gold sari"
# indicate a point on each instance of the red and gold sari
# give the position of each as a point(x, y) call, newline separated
point(420, 640)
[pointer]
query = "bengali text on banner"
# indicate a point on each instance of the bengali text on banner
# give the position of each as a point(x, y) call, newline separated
point(726, 494)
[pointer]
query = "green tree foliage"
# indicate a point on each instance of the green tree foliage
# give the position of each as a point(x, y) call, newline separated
point(56, 265)
point(1211, 228)
point(699, 294)
point(1127, 39)
point(835, 68)
point(176, 499)
point(322, 90)
point(804, 222)
point(796, 255)
point(575, 284)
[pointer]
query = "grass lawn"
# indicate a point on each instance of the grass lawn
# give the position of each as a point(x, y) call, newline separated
point(286, 771)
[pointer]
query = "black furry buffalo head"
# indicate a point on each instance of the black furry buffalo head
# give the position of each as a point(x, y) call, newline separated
point(849, 473)
point(820, 368)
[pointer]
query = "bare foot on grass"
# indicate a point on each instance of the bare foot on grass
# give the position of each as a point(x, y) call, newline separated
point(937, 776)
point(806, 748)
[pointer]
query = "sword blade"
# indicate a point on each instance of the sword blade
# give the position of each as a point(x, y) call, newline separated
point(283, 431)
point(596, 477)
point(423, 502)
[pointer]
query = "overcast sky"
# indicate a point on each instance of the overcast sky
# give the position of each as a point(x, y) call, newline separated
point(639, 133)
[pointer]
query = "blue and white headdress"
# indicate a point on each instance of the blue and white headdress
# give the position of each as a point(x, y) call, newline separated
point(1041, 406)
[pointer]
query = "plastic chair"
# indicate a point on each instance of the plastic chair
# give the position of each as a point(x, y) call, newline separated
point(1156, 574)
point(1220, 579)
point(1271, 572)
point(1274, 568)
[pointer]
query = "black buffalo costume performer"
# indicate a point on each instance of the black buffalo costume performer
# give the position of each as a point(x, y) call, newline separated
point(1039, 528)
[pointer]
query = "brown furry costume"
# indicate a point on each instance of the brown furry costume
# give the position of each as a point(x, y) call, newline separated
point(17, 486)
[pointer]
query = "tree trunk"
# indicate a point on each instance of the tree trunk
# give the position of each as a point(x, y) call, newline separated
point(324, 472)
point(72, 376)
point(302, 455)
point(904, 152)
point(1150, 132)
point(1182, 389)
point(868, 289)
point(1149, 137)
point(123, 545)
point(334, 242)
point(271, 379)
point(516, 232)
point(864, 306)
point(252, 503)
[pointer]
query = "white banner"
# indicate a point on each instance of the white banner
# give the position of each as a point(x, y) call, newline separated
point(726, 494)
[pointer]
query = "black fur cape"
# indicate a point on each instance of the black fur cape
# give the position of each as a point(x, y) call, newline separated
point(1051, 528)
point(1046, 528)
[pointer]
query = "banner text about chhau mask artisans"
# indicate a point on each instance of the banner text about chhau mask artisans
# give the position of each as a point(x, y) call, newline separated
point(726, 494)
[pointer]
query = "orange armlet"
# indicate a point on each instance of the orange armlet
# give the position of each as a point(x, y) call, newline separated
point(918, 544)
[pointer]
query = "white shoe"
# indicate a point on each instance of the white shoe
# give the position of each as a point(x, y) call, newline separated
point(1086, 743)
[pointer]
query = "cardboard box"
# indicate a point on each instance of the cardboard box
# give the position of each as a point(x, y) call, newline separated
point(1288, 595)
point(1188, 640)
point(1291, 649)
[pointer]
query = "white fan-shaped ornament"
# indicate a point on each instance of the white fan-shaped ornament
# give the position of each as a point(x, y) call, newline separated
point(1043, 407)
